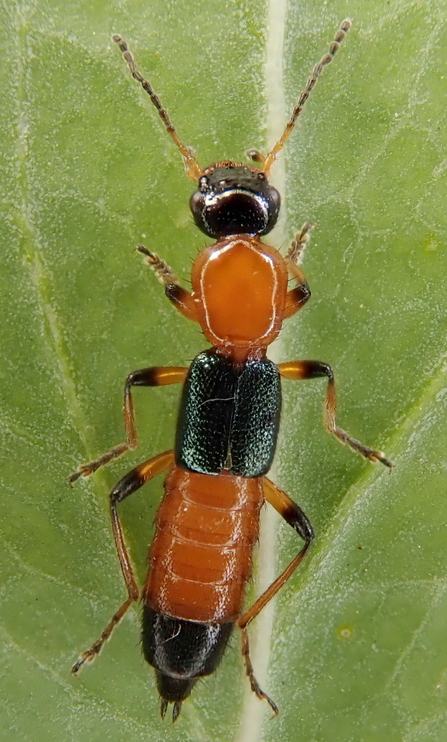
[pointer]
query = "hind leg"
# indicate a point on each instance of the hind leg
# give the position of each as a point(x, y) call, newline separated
point(129, 484)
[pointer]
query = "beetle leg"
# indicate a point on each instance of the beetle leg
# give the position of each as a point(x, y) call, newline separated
point(297, 297)
point(153, 376)
point(296, 518)
point(125, 487)
point(299, 370)
point(180, 297)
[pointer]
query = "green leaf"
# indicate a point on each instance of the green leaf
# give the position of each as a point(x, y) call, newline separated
point(359, 641)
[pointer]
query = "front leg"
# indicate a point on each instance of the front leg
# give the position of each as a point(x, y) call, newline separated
point(297, 297)
point(299, 370)
point(180, 297)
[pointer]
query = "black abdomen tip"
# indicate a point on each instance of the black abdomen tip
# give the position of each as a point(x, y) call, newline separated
point(174, 689)
point(181, 651)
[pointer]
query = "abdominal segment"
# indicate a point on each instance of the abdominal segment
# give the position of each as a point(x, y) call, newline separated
point(201, 555)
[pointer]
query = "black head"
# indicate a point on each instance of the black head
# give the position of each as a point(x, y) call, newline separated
point(234, 199)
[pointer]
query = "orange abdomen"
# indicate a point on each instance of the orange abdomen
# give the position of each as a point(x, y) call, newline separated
point(201, 555)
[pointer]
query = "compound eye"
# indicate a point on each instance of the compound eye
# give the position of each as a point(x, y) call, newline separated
point(274, 200)
point(197, 202)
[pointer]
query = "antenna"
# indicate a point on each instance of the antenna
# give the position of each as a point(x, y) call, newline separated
point(192, 167)
point(316, 72)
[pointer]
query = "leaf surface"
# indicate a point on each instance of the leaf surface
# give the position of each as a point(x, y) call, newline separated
point(359, 647)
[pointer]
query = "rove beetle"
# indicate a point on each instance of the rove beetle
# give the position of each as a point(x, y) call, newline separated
point(208, 522)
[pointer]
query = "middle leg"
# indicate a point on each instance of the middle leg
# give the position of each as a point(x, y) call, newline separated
point(300, 370)
point(153, 376)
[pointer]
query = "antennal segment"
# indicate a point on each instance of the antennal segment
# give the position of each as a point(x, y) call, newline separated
point(192, 167)
point(316, 72)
